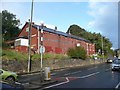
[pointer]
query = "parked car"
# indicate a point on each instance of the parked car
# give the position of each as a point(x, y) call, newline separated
point(116, 64)
point(7, 86)
point(109, 60)
point(8, 76)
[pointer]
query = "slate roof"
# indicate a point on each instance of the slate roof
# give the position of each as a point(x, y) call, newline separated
point(60, 33)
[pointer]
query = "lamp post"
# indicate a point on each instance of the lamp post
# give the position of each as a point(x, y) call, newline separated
point(41, 48)
point(38, 40)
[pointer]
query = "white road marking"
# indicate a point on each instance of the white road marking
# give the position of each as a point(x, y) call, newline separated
point(117, 85)
point(72, 73)
point(53, 74)
point(17, 83)
point(89, 75)
point(67, 80)
point(21, 83)
point(92, 68)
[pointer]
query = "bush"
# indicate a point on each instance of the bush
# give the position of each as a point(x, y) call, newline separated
point(77, 53)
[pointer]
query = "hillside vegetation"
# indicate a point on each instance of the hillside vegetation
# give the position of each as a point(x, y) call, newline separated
point(95, 38)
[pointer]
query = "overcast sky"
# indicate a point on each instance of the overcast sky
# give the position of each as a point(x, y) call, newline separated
point(100, 17)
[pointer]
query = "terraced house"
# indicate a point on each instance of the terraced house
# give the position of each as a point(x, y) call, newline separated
point(54, 41)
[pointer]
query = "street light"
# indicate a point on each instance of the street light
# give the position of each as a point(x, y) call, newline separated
point(42, 24)
point(41, 51)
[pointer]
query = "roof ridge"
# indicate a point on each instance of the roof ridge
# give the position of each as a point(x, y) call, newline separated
point(60, 33)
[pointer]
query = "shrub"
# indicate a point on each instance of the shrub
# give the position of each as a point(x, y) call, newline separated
point(77, 53)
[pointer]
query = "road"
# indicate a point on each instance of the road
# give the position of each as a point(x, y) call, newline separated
point(94, 76)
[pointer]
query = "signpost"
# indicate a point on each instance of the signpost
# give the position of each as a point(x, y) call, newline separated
point(42, 49)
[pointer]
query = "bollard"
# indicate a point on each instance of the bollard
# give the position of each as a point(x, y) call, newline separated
point(47, 73)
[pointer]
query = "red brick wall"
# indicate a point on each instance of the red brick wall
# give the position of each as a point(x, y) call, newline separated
point(34, 39)
point(22, 49)
point(55, 43)
point(60, 44)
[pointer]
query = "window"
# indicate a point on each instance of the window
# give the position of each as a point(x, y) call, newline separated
point(117, 61)
point(27, 29)
point(17, 43)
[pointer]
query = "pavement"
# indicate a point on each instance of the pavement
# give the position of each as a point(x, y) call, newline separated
point(34, 81)
point(34, 85)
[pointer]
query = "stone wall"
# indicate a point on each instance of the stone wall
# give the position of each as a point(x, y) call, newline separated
point(21, 66)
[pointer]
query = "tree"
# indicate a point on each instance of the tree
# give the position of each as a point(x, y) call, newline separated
point(75, 30)
point(10, 25)
point(93, 37)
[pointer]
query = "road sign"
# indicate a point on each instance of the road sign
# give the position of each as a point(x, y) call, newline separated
point(42, 49)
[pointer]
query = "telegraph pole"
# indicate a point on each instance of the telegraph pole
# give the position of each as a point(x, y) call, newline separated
point(102, 47)
point(29, 43)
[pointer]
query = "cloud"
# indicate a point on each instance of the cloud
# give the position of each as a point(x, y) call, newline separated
point(105, 19)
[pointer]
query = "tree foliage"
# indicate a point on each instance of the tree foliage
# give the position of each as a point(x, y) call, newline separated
point(10, 25)
point(77, 52)
point(93, 37)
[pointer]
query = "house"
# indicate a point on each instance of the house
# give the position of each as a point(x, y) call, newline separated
point(54, 41)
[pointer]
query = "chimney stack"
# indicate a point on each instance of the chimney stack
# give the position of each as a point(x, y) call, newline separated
point(55, 28)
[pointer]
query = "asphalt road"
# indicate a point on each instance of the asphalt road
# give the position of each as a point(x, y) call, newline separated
point(94, 76)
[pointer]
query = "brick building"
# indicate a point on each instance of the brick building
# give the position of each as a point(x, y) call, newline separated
point(54, 41)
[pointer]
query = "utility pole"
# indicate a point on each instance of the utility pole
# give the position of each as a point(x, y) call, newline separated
point(102, 47)
point(29, 43)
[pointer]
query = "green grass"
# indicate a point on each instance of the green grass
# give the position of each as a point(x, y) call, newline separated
point(14, 55)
